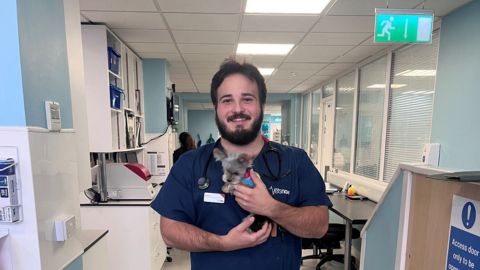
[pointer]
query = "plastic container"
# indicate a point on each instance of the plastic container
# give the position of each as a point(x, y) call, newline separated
point(113, 60)
point(115, 97)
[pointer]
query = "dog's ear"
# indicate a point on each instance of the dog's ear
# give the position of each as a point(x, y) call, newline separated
point(243, 159)
point(219, 154)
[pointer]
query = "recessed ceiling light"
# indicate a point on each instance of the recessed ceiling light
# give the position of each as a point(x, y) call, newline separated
point(266, 71)
point(286, 6)
point(264, 49)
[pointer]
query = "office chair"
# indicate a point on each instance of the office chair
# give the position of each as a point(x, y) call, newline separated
point(329, 242)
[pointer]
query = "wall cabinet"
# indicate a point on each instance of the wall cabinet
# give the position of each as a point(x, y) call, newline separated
point(114, 91)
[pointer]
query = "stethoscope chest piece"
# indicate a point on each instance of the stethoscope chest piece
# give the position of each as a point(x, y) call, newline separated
point(203, 183)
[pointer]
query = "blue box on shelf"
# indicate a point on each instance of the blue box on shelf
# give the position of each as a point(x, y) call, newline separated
point(115, 97)
point(113, 60)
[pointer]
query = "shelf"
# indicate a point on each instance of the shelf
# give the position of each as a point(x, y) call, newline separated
point(127, 109)
point(114, 74)
point(139, 116)
point(115, 110)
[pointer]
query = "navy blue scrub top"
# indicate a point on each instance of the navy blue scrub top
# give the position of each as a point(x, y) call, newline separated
point(181, 199)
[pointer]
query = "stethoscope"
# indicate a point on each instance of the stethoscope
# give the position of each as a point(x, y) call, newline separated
point(204, 182)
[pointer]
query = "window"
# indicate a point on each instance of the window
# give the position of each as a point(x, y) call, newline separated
point(370, 118)
point(344, 122)
point(305, 118)
point(328, 90)
point(411, 106)
point(314, 125)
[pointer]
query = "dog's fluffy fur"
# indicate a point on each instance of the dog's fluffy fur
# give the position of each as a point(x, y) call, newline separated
point(234, 167)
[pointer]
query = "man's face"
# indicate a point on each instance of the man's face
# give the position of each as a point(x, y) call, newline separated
point(239, 114)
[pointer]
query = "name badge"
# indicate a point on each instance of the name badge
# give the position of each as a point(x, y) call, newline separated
point(213, 197)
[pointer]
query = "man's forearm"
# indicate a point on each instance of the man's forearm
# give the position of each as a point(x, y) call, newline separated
point(306, 221)
point(188, 237)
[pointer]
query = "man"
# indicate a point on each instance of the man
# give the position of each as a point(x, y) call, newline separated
point(197, 216)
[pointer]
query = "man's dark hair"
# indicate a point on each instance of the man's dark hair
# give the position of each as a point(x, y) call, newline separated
point(230, 67)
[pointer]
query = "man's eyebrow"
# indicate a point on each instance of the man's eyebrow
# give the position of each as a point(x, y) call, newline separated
point(225, 96)
point(248, 95)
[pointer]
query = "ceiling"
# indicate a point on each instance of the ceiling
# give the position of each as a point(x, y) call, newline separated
point(195, 36)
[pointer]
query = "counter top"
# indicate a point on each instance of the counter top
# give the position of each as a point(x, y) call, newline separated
point(139, 202)
point(88, 238)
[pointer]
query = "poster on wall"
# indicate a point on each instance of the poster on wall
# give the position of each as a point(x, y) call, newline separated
point(464, 240)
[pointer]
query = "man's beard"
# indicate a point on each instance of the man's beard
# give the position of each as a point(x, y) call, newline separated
point(240, 136)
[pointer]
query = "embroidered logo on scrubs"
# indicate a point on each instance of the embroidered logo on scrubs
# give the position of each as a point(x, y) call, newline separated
point(279, 191)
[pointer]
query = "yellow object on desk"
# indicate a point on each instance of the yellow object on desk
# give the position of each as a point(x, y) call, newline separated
point(351, 191)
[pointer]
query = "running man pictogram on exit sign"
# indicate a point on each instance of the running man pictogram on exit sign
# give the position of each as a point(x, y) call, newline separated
point(403, 26)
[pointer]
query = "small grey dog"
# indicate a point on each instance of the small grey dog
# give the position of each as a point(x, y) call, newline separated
point(234, 167)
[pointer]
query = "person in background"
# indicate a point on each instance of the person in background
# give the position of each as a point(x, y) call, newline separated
point(186, 144)
point(195, 215)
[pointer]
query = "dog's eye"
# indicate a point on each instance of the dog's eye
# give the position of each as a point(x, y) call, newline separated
point(235, 173)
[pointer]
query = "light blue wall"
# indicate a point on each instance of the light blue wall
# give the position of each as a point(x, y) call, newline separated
point(456, 123)
point(203, 123)
point(11, 93)
point(154, 72)
point(44, 62)
point(381, 241)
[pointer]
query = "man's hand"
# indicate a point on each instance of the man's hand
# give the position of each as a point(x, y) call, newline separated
point(255, 200)
point(239, 237)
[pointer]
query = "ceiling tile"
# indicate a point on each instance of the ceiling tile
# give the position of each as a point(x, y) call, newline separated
point(197, 57)
point(316, 53)
point(295, 67)
point(278, 23)
point(345, 24)
point(356, 7)
point(204, 6)
point(261, 60)
point(270, 37)
point(210, 37)
point(369, 42)
point(139, 35)
point(221, 22)
point(152, 47)
point(171, 57)
point(118, 5)
point(335, 38)
point(359, 53)
point(207, 48)
point(148, 20)
point(442, 7)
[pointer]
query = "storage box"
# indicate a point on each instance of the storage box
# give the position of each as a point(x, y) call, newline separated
point(116, 97)
point(113, 60)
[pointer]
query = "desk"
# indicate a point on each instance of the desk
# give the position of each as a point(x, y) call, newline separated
point(354, 212)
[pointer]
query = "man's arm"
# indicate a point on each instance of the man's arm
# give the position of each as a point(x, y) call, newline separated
point(188, 237)
point(306, 221)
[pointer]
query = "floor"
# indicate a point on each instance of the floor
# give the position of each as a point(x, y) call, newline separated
point(181, 261)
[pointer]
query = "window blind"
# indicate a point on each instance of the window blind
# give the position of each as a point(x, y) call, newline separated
point(343, 122)
point(370, 118)
point(410, 109)
point(314, 125)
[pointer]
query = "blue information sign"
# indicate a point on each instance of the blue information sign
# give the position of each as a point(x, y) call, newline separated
point(464, 240)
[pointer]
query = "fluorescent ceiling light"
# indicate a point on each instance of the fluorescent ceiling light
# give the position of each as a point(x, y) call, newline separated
point(286, 6)
point(382, 86)
point(418, 73)
point(266, 71)
point(264, 49)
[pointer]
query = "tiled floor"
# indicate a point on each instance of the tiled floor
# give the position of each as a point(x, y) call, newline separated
point(181, 261)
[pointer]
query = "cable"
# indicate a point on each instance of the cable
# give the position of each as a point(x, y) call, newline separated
point(154, 138)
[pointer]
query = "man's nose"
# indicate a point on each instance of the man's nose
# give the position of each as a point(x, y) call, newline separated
point(238, 106)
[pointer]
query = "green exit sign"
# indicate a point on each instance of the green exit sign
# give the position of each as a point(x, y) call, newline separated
point(403, 25)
